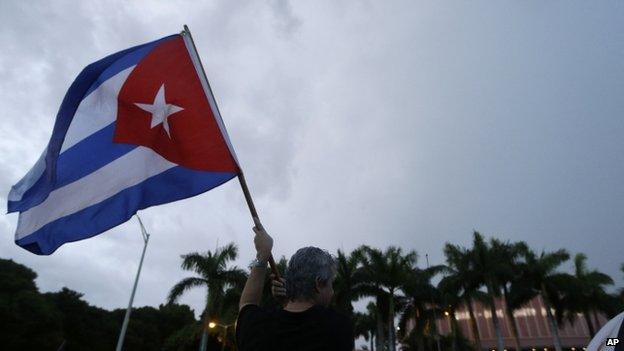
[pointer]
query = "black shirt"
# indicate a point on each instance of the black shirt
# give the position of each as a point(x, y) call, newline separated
point(315, 329)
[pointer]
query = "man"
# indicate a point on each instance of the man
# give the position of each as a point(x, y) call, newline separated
point(305, 323)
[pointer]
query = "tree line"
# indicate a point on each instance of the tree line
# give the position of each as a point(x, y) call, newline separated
point(400, 291)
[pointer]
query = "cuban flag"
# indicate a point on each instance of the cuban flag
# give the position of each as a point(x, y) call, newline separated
point(136, 129)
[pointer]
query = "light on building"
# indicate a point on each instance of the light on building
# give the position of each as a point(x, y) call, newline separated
point(446, 313)
point(545, 348)
point(398, 328)
point(573, 349)
point(211, 325)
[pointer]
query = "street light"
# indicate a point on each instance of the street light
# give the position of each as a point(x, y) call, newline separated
point(213, 325)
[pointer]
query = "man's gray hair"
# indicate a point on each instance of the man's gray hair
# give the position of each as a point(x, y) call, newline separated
point(305, 267)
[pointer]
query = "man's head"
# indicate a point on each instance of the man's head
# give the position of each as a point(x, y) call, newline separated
point(310, 275)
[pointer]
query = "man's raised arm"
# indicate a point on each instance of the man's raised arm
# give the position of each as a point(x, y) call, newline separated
point(252, 293)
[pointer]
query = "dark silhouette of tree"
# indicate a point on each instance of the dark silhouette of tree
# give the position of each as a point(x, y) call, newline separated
point(512, 255)
point(267, 298)
point(365, 324)
point(348, 283)
point(421, 307)
point(217, 278)
point(540, 274)
point(383, 273)
point(588, 295)
point(463, 281)
point(29, 321)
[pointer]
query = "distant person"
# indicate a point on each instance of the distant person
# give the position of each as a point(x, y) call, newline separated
point(306, 322)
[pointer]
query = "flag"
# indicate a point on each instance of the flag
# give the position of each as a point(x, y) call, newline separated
point(610, 337)
point(136, 129)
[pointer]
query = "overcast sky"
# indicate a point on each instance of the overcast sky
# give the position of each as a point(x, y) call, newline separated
point(363, 122)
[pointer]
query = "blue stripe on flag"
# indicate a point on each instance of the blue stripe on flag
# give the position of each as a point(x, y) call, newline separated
point(128, 60)
point(89, 79)
point(86, 157)
point(89, 155)
point(174, 184)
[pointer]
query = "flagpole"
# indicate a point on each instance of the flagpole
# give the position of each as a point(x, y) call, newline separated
point(124, 327)
point(241, 176)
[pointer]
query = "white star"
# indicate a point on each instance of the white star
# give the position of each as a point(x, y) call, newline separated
point(160, 110)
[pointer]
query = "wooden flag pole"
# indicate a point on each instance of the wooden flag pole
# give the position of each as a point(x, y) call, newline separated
point(256, 219)
point(241, 177)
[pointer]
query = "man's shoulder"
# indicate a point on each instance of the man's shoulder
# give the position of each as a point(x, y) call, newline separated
point(335, 317)
point(252, 311)
point(252, 315)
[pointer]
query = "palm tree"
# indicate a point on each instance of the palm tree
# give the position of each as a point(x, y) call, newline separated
point(511, 253)
point(488, 263)
point(225, 312)
point(589, 295)
point(216, 277)
point(364, 324)
point(268, 300)
point(371, 259)
point(385, 272)
point(420, 335)
point(462, 281)
point(540, 274)
point(348, 283)
point(421, 306)
point(451, 300)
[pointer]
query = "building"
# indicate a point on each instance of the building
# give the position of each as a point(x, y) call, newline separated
point(533, 328)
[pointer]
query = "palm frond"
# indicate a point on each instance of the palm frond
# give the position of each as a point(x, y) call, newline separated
point(196, 262)
point(182, 286)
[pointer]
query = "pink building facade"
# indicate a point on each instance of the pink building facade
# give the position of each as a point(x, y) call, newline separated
point(533, 328)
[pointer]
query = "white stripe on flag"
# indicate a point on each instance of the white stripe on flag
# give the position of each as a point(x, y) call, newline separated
point(206, 87)
point(97, 110)
point(126, 171)
point(19, 189)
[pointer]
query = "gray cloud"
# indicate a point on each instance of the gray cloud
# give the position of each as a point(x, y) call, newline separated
point(387, 124)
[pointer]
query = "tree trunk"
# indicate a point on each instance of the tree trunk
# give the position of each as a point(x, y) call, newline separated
point(203, 345)
point(391, 330)
point(596, 320)
point(497, 328)
point(474, 326)
point(551, 320)
point(418, 329)
point(371, 342)
point(454, 331)
point(380, 332)
point(590, 325)
point(514, 326)
point(436, 336)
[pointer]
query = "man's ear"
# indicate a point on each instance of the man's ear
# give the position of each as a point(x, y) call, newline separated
point(318, 285)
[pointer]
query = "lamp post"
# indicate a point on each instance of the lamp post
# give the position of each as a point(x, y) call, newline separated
point(213, 325)
point(124, 327)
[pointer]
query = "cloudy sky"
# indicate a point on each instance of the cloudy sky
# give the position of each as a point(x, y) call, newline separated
point(363, 122)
